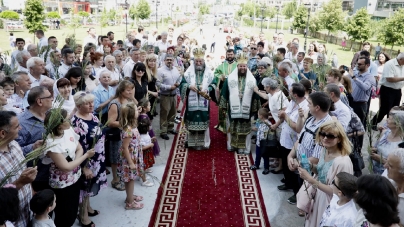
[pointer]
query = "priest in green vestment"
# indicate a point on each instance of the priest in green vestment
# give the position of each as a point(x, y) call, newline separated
point(240, 103)
point(195, 89)
point(221, 73)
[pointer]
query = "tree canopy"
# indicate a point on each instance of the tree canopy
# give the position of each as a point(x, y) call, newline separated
point(393, 30)
point(358, 27)
point(300, 19)
point(34, 15)
point(143, 10)
point(315, 24)
point(204, 9)
point(332, 16)
point(289, 9)
point(248, 7)
point(9, 15)
point(53, 15)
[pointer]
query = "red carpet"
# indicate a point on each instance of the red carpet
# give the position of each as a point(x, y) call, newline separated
point(208, 188)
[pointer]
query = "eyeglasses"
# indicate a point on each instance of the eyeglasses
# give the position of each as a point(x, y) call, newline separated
point(48, 97)
point(139, 70)
point(329, 136)
point(333, 182)
point(253, 48)
point(169, 59)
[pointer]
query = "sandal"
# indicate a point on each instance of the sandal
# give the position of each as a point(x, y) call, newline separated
point(118, 186)
point(134, 206)
point(302, 213)
point(138, 198)
point(95, 213)
point(83, 225)
point(147, 184)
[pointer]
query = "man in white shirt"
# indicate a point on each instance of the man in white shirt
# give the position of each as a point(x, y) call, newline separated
point(284, 71)
point(33, 50)
point(91, 38)
point(104, 42)
point(128, 67)
point(163, 43)
point(129, 41)
point(139, 34)
point(170, 37)
point(342, 111)
point(22, 58)
point(111, 37)
point(68, 59)
point(281, 42)
point(152, 37)
point(53, 67)
point(109, 62)
point(262, 39)
point(292, 55)
point(53, 42)
point(392, 82)
point(43, 41)
point(20, 42)
point(22, 84)
point(36, 67)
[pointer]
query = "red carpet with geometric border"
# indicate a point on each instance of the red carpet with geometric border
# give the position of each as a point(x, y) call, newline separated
point(208, 188)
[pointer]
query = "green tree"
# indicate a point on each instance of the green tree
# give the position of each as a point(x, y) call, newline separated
point(112, 14)
point(204, 9)
point(34, 15)
point(332, 16)
point(143, 10)
point(315, 24)
point(289, 9)
point(132, 12)
point(53, 15)
point(9, 15)
point(358, 27)
point(104, 19)
point(393, 30)
point(300, 19)
point(84, 15)
point(74, 23)
point(269, 12)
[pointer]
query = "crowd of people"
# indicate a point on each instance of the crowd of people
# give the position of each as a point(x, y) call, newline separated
point(91, 105)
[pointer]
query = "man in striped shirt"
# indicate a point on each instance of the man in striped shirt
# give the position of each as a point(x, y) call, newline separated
point(319, 106)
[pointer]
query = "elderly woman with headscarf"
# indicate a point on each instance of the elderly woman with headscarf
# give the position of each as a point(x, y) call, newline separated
point(263, 70)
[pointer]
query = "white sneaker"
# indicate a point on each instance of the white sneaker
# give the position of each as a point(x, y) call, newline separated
point(147, 184)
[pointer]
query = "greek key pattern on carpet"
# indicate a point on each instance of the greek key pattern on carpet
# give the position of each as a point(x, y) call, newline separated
point(250, 200)
point(169, 204)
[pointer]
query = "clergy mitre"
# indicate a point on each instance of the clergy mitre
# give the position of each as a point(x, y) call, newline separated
point(199, 53)
point(242, 58)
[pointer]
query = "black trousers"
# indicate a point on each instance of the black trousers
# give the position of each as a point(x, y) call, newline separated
point(67, 204)
point(360, 108)
point(389, 97)
point(291, 178)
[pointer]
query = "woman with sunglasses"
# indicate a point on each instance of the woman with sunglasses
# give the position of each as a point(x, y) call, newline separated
point(139, 79)
point(334, 159)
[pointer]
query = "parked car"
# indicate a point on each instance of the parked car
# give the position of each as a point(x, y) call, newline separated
point(111, 23)
point(228, 29)
point(12, 25)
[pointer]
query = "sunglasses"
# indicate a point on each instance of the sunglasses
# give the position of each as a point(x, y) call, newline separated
point(329, 136)
point(50, 96)
point(333, 182)
point(253, 48)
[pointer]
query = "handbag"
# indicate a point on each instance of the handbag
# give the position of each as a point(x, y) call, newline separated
point(356, 155)
point(305, 198)
point(270, 146)
point(112, 134)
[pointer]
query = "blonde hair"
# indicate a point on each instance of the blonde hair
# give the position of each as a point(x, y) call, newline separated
point(82, 97)
point(127, 116)
point(334, 127)
point(151, 72)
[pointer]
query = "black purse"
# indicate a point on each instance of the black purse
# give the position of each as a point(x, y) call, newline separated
point(270, 146)
point(356, 155)
point(112, 134)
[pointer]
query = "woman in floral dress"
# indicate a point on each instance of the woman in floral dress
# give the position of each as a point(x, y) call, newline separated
point(88, 127)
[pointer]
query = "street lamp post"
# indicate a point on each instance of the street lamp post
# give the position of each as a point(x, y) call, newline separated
point(157, 4)
point(262, 14)
point(276, 30)
point(126, 17)
point(307, 28)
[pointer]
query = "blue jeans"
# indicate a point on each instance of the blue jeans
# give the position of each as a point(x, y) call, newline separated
point(258, 158)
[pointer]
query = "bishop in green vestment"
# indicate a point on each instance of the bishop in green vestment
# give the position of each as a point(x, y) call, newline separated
point(240, 102)
point(221, 73)
point(195, 89)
